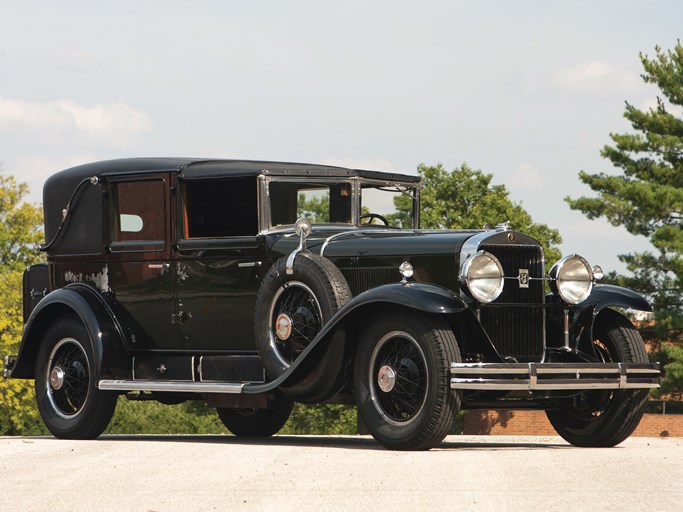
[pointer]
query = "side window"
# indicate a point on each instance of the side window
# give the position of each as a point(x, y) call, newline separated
point(319, 202)
point(220, 208)
point(139, 211)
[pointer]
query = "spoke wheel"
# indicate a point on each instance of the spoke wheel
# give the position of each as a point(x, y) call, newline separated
point(66, 393)
point(402, 380)
point(292, 309)
point(295, 320)
point(604, 418)
point(68, 375)
point(398, 378)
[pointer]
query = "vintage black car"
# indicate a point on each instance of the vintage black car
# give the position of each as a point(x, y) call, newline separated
point(252, 285)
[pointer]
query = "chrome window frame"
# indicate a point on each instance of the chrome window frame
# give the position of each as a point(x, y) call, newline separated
point(264, 210)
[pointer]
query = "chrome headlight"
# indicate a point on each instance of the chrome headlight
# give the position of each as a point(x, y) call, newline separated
point(482, 275)
point(572, 279)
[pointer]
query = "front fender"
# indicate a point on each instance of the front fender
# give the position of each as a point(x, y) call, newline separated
point(321, 370)
point(111, 359)
point(607, 295)
point(583, 315)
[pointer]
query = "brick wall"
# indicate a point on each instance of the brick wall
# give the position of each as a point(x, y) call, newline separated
point(535, 423)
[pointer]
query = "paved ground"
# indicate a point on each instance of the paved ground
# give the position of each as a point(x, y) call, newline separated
point(301, 473)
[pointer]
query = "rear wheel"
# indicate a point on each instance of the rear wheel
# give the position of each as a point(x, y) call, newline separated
point(68, 399)
point(604, 418)
point(402, 377)
point(257, 422)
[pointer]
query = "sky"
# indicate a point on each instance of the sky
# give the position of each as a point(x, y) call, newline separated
point(528, 91)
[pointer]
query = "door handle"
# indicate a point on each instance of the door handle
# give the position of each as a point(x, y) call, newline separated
point(162, 266)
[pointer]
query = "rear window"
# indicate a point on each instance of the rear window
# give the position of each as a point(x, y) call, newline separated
point(139, 211)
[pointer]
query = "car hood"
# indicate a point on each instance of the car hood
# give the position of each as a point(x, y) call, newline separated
point(374, 242)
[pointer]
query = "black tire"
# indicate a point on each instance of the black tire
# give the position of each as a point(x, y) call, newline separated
point(66, 390)
point(300, 304)
point(402, 381)
point(606, 417)
point(257, 422)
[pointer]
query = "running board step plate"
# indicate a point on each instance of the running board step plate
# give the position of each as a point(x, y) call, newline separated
point(171, 386)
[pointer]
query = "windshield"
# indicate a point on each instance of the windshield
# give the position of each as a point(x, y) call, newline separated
point(361, 203)
point(387, 205)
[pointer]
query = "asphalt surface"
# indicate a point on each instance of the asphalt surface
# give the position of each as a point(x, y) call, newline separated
point(302, 473)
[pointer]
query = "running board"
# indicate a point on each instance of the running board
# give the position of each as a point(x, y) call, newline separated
point(172, 386)
point(549, 376)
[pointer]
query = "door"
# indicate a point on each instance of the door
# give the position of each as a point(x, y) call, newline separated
point(141, 272)
point(219, 264)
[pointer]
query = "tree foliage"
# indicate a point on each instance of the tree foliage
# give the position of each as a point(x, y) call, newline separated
point(646, 197)
point(20, 224)
point(466, 199)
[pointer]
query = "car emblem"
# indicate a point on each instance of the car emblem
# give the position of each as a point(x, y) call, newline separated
point(523, 278)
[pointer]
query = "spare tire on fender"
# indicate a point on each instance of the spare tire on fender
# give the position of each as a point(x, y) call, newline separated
point(291, 309)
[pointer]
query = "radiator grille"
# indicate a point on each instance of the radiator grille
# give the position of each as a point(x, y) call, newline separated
point(361, 279)
point(517, 332)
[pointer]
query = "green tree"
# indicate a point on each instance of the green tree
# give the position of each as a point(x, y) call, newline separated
point(20, 224)
point(316, 209)
point(646, 197)
point(465, 198)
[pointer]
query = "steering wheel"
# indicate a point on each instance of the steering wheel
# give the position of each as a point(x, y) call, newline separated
point(371, 216)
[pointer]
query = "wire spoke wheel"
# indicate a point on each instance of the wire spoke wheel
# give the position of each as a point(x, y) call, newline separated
point(68, 377)
point(398, 377)
point(295, 320)
point(401, 380)
point(601, 418)
point(66, 393)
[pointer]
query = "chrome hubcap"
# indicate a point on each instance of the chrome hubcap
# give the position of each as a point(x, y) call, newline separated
point(283, 326)
point(57, 378)
point(386, 378)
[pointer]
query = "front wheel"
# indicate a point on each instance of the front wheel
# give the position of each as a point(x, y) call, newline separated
point(257, 422)
point(603, 418)
point(68, 399)
point(402, 381)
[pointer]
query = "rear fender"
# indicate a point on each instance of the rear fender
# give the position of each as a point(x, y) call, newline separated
point(111, 358)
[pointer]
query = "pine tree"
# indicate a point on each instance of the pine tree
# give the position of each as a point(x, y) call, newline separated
point(647, 199)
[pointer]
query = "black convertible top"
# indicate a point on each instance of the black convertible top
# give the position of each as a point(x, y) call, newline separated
point(199, 168)
point(85, 234)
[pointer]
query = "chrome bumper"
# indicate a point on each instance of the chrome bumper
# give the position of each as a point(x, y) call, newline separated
point(549, 376)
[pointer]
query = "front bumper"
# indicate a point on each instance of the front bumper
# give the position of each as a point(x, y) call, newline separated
point(554, 376)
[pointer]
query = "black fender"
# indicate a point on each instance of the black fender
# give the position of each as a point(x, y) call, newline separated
point(321, 370)
point(111, 358)
point(607, 295)
point(583, 315)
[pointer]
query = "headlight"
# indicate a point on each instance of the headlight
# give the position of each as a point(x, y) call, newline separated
point(482, 274)
point(572, 279)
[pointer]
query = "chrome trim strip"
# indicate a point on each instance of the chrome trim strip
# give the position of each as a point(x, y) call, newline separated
point(250, 264)
point(171, 386)
point(360, 231)
point(549, 376)
point(332, 237)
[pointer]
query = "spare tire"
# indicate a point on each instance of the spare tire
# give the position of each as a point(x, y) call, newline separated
point(291, 309)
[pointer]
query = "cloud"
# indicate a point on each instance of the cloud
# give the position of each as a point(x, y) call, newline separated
point(115, 124)
point(526, 178)
point(594, 76)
